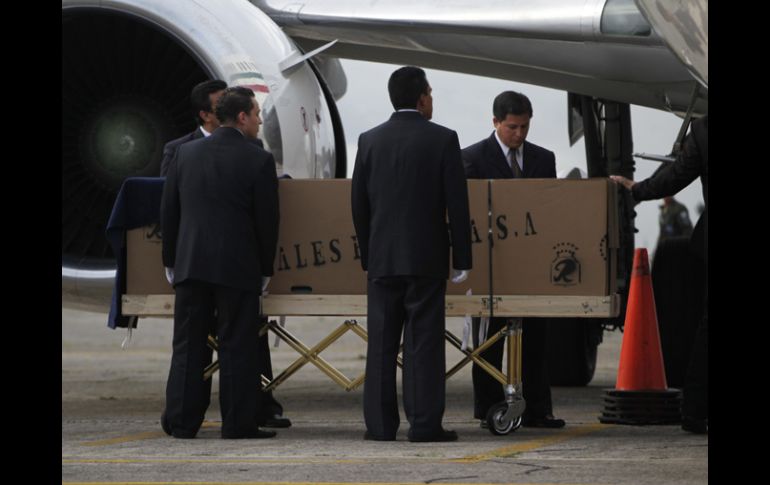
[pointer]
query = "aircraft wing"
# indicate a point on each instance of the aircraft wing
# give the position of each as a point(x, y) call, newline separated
point(601, 48)
point(684, 25)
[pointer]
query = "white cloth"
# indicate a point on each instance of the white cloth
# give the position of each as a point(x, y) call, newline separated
point(467, 345)
point(282, 323)
point(483, 327)
point(131, 324)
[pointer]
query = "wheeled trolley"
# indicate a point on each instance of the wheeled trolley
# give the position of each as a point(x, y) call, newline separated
point(502, 418)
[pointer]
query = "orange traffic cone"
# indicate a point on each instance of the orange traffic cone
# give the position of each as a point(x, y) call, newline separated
point(641, 357)
point(641, 395)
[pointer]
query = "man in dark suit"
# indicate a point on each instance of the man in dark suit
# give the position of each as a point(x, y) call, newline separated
point(691, 163)
point(408, 176)
point(203, 98)
point(219, 216)
point(506, 154)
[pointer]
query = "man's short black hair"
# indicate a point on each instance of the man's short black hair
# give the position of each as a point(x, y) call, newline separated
point(199, 97)
point(511, 103)
point(233, 101)
point(405, 87)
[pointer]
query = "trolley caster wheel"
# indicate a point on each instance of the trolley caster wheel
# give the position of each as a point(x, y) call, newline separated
point(497, 422)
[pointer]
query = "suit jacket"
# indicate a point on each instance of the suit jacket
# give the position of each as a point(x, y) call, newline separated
point(219, 211)
point(169, 149)
point(485, 160)
point(692, 163)
point(408, 177)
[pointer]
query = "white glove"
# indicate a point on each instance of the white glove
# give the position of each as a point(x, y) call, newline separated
point(458, 276)
point(265, 282)
point(170, 275)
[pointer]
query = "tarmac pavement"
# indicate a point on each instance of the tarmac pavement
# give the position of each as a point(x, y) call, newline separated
point(112, 399)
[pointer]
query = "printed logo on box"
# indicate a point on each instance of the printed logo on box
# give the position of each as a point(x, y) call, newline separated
point(565, 267)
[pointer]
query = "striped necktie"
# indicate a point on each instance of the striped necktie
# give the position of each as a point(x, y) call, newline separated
point(517, 173)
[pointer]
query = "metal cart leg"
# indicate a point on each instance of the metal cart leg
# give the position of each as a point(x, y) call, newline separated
point(307, 354)
point(505, 416)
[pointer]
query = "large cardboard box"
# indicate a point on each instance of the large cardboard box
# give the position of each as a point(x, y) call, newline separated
point(550, 237)
point(317, 246)
point(144, 265)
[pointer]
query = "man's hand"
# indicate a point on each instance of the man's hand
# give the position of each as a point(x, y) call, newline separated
point(265, 282)
point(458, 276)
point(170, 276)
point(622, 181)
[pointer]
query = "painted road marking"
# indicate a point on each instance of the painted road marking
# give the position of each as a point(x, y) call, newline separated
point(503, 452)
point(507, 451)
point(300, 483)
point(139, 436)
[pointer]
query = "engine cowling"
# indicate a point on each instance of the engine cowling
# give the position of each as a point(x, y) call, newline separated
point(127, 70)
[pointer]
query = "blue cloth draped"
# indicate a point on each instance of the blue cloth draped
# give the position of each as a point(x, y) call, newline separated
point(136, 205)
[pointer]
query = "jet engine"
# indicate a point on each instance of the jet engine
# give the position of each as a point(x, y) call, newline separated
point(128, 67)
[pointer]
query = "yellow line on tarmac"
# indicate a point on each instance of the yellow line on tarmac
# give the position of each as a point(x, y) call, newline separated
point(530, 445)
point(215, 460)
point(294, 483)
point(124, 439)
point(140, 436)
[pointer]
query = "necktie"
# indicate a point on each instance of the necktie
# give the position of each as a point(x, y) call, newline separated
point(517, 173)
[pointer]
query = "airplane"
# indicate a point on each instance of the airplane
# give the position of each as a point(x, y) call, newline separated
point(128, 67)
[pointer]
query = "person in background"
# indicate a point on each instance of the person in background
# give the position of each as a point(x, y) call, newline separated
point(203, 98)
point(674, 219)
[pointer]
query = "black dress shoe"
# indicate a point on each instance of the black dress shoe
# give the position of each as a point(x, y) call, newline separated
point(370, 437)
point(695, 425)
point(250, 435)
point(542, 422)
point(176, 434)
point(277, 421)
point(443, 435)
point(164, 423)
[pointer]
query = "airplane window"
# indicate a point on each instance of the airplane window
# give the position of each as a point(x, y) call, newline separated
point(622, 17)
